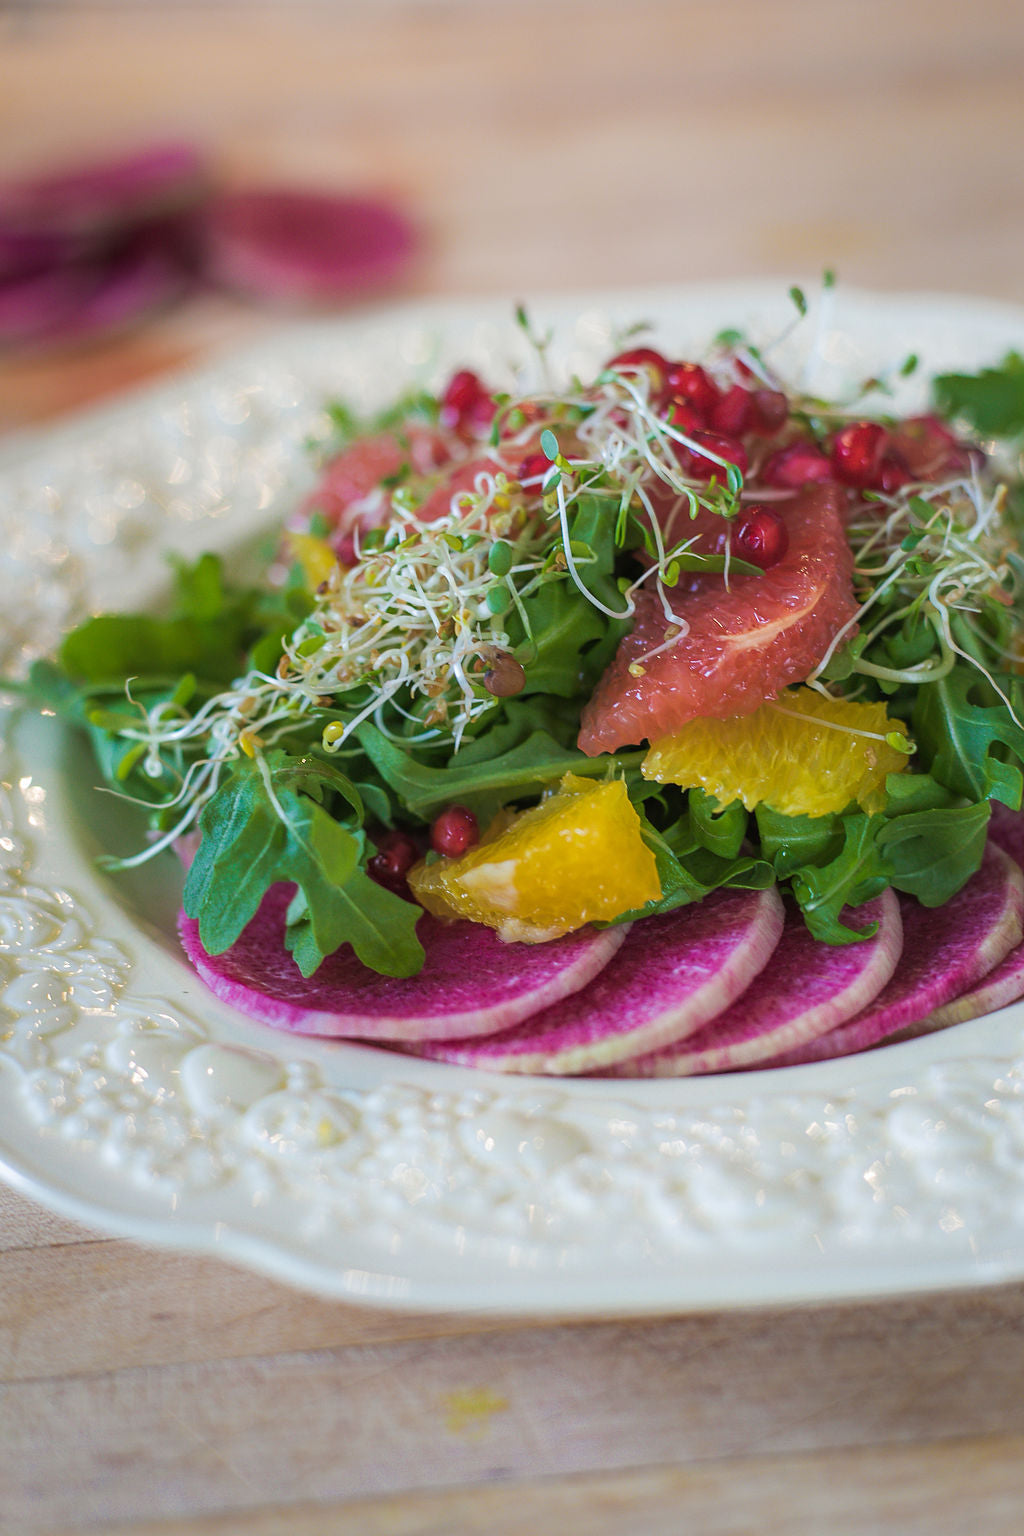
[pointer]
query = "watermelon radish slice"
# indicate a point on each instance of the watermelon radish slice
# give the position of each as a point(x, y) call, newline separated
point(81, 208)
point(946, 951)
point(304, 247)
point(1004, 984)
point(805, 990)
point(1006, 828)
point(471, 983)
point(672, 974)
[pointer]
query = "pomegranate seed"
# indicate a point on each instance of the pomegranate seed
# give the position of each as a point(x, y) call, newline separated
point(454, 831)
point(732, 412)
point(461, 392)
point(684, 418)
point(395, 856)
point(532, 470)
point(462, 399)
point(761, 537)
point(345, 549)
point(930, 449)
point(729, 448)
point(636, 358)
point(893, 472)
point(799, 464)
point(482, 414)
point(857, 453)
point(687, 382)
point(770, 410)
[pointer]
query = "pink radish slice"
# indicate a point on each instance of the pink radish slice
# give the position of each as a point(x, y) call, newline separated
point(471, 983)
point(304, 247)
point(946, 950)
point(806, 989)
point(672, 974)
point(1006, 828)
point(70, 306)
point(1004, 984)
point(85, 203)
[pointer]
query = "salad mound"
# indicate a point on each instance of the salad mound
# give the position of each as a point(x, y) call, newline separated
point(585, 652)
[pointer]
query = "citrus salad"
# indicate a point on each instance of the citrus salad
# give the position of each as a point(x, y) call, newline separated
point(632, 723)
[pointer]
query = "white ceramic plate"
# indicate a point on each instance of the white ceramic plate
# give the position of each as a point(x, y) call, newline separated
point(132, 1100)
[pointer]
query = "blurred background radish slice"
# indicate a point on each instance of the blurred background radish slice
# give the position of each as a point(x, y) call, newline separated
point(70, 306)
point(86, 205)
point(304, 247)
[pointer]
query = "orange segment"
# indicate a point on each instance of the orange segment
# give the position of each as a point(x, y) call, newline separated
point(315, 557)
point(578, 857)
point(800, 753)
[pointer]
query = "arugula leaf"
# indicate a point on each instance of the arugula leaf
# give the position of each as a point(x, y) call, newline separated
point(688, 877)
point(790, 842)
point(720, 829)
point(567, 641)
point(260, 828)
point(483, 787)
point(373, 919)
point(931, 854)
point(853, 876)
point(991, 400)
point(958, 738)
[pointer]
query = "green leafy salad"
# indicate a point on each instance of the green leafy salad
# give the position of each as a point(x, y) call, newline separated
point(489, 591)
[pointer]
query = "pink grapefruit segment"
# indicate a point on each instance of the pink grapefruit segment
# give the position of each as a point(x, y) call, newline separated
point(744, 643)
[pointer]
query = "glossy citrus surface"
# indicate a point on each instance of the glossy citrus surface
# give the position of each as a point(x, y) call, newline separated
point(742, 643)
point(577, 857)
point(802, 754)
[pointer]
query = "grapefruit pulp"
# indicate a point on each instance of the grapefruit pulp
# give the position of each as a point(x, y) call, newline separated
point(743, 643)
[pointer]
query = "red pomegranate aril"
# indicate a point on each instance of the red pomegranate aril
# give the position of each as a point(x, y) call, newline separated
point(481, 414)
point(857, 452)
point(454, 831)
point(930, 450)
point(797, 465)
point(688, 382)
point(395, 856)
point(684, 418)
point(893, 472)
point(532, 470)
point(770, 410)
point(636, 358)
point(732, 412)
point(461, 398)
point(345, 549)
point(761, 536)
point(729, 448)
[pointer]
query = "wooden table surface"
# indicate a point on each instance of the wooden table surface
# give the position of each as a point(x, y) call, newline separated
point(540, 147)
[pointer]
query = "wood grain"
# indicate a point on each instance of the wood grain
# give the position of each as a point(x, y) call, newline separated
point(851, 1493)
point(540, 147)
